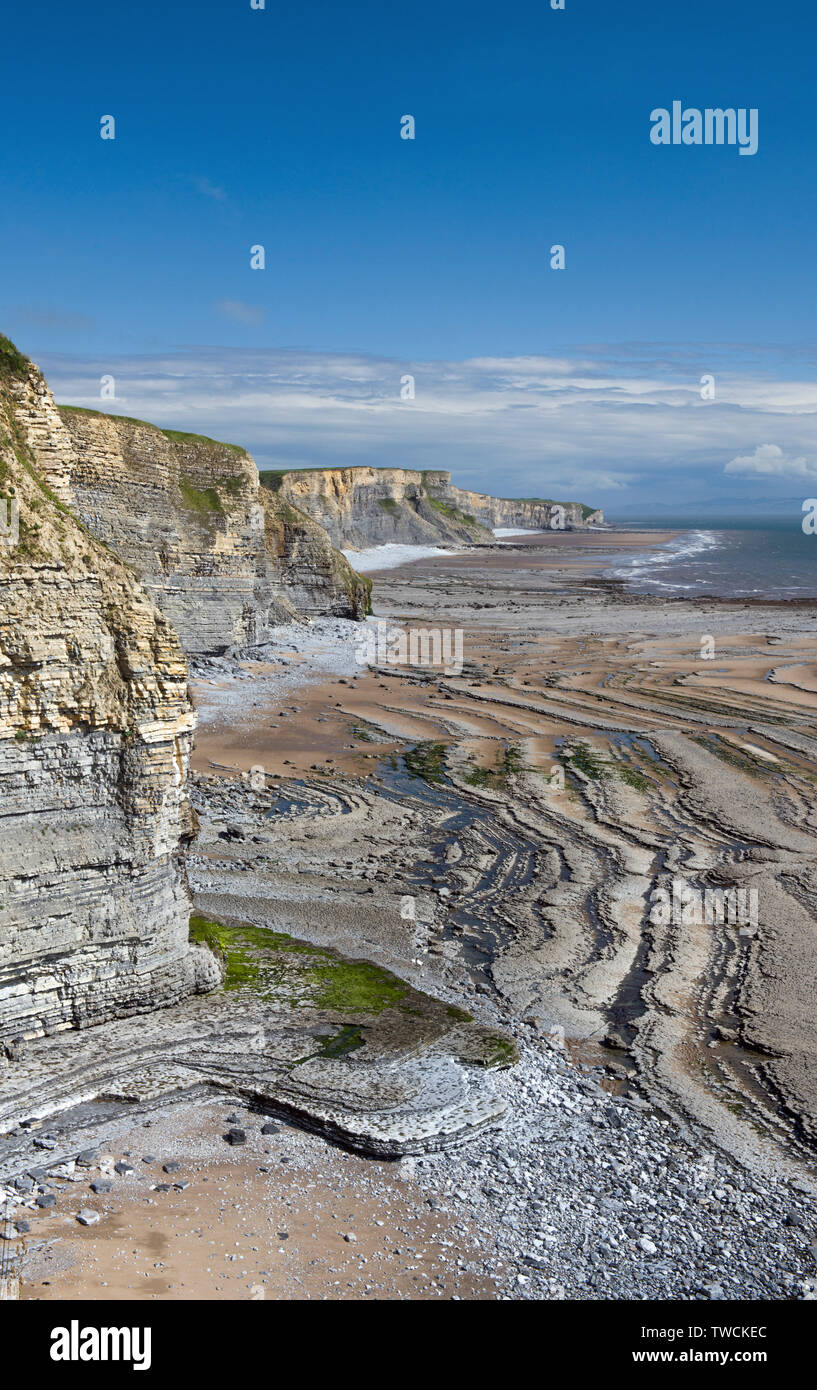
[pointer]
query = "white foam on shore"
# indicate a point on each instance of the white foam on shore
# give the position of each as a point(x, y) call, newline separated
point(641, 567)
point(501, 531)
point(389, 556)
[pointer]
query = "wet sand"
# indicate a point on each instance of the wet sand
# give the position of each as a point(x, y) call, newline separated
point(283, 1217)
point(719, 1033)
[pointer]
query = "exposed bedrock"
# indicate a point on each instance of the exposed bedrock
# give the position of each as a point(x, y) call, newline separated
point(386, 1098)
point(224, 559)
point(374, 506)
point(95, 733)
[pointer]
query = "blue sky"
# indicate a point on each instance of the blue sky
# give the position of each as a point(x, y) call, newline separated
point(236, 127)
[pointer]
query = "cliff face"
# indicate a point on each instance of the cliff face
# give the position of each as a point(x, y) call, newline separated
point(371, 506)
point(95, 733)
point(531, 514)
point(221, 557)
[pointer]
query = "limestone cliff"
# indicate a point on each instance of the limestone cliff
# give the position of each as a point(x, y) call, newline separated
point(529, 513)
point(95, 733)
point(372, 506)
point(223, 558)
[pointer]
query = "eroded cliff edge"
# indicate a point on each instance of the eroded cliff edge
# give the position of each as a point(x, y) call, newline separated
point(95, 734)
point(374, 506)
point(223, 558)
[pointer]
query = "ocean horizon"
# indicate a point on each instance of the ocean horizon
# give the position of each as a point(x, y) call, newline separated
point(737, 558)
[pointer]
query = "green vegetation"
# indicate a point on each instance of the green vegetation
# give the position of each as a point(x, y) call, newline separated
point(454, 514)
point(184, 437)
point(29, 545)
point(262, 960)
point(481, 776)
point(366, 582)
point(203, 500)
point(388, 504)
point(586, 760)
point(360, 731)
point(240, 969)
point(459, 1015)
point(508, 764)
point(232, 486)
point(739, 758)
point(12, 361)
point(500, 1052)
point(106, 415)
point(273, 478)
point(356, 986)
point(582, 758)
point(632, 778)
point(427, 761)
point(291, 516)
point(353, 583)
point(175, 436)
point(347, 1040)
point(512, 759)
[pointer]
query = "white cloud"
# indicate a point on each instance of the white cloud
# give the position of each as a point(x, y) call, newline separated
point(239, 312)
point(210, 190)
point(769, 461)
point(599, 424)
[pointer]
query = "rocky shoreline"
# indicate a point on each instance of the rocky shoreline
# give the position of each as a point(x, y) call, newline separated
point(656, 1138)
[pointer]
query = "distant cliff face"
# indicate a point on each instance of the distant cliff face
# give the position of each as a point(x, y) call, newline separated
point(95, 733)
point(531, 514)
point(222, 558)
point(372, 506)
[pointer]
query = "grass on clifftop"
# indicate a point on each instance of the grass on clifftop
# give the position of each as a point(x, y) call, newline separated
point(272, 478)
point(175, 436)
point(12, 361)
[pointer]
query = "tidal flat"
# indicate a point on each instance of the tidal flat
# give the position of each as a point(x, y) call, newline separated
point(591, 1103)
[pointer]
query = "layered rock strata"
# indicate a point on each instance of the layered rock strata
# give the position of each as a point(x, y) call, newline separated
point(224, 559)
point(374, 506)
point(95, 734)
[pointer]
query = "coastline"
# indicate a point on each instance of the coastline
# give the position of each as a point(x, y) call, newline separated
point(539, 929)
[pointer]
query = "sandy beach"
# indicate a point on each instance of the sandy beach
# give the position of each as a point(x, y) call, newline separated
point(330, 795)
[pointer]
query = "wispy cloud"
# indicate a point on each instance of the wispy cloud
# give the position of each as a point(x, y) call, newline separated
point(239, 312)
point(210, 190)
point(51, 319)
point(624, 425)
